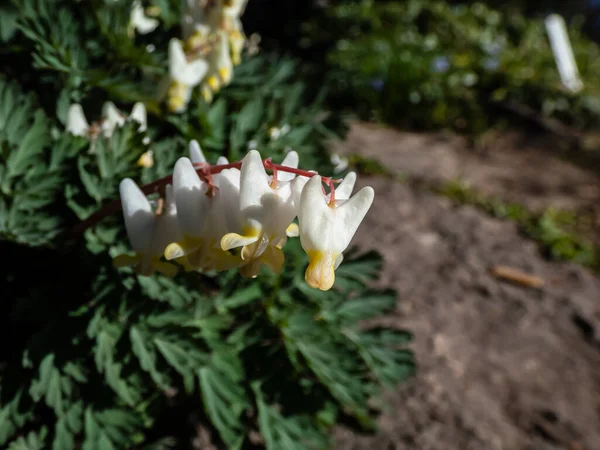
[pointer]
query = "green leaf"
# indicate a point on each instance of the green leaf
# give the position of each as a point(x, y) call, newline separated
point(145, 355)
point(239, 297)
point(286, 433)
point(178, 358)
point(223, 395)
point(35, 440)
point(8, 21)
point(63, 438)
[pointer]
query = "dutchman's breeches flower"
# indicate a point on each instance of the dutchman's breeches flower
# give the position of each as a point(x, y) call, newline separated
point(327, 226)
point(235, 215)
point(268, 206)
point(149, 232)
point(184, 76)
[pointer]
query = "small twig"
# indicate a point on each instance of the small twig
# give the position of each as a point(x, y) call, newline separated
point(517, 276)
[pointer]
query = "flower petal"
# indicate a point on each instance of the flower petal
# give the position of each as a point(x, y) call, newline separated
point(177, 60)
point(138, 113)
point(293, 230)
point(254, 185)
point(234, 240)
point(194, 72)
point(139, 217)
point(190, 198)
point(290, 160)
point(112, 118)
point(344, 189)
point(351, 213)
point(76, 122)
point(196, 155)
point(315, 217)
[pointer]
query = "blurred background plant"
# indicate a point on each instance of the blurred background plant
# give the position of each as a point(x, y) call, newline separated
point(464, 66)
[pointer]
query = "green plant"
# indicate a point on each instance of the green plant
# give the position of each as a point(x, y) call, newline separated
point(431, 64)
point(552, 229)
point(100, 358)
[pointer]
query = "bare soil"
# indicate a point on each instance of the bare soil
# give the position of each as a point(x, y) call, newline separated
point(502, 366)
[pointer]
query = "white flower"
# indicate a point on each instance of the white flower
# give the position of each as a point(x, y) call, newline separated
point(339, 163)
point(111, 119)
point(196, 155)
point(232, 12)
point(138, 21)
point(76, 121)
point(184, 76)
point(221, 68)
point(268, 206)
point(203, 214)
point(326, 228)
point(148, 232)
point(200, 16)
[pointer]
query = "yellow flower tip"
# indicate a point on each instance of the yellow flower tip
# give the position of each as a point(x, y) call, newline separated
point(233, 240)
point(207, 94)
point(174, 251)
point(293, 230)
point(197, 39)
point(176, 104)
point(213, 83)
point(146, 160)
point(225, 74)
point(125, 260)
point(176, 96)
point(320, 273)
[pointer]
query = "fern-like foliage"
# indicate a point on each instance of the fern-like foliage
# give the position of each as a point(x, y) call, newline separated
point(102, 359)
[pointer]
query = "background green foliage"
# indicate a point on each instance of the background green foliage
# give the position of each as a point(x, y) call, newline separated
point(98, 358)
point(463, 65)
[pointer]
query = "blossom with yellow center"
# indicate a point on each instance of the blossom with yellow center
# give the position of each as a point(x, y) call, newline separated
point(268, 206)
point(184, 76)
point(327, 227)
point(148, 232)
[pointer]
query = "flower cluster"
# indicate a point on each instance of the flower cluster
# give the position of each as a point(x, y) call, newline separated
point(225, 216)
point(213, 40)
point(111, 119)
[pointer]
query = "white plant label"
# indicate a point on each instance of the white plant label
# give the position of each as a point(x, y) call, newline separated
point(563, 52)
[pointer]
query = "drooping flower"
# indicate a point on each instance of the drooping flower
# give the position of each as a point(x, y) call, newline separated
point(111, 119)
point(77, 124)
point(326, 227)
point(138, 21)
point(184, 76)
point(268, 206)
point(340, 163)
point(202, 218)
point(221, 68)
point(232, 12)
point(149, 233)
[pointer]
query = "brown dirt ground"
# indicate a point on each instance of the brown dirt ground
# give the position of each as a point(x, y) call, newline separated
point(501, 366)
point(513, 167)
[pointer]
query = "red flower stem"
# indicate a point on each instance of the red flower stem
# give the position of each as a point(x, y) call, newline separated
point(204, 170)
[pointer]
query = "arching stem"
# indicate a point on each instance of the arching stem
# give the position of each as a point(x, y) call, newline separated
point(205, 172)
